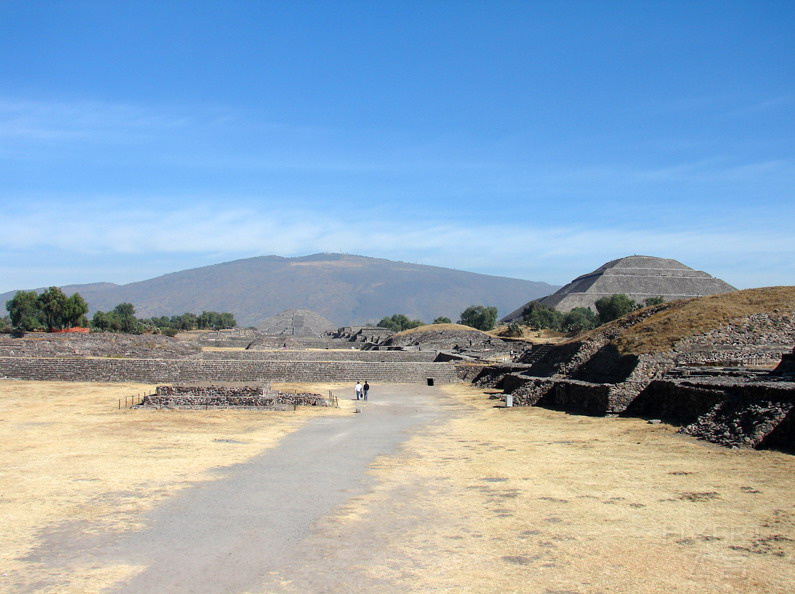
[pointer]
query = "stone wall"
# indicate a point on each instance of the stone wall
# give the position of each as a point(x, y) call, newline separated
point(99, 344)
point(198, 397)
point(321, 355)
point(267, 343)
point(727, 411)
point(569, 395)
point(170, 371)
point(234, 337)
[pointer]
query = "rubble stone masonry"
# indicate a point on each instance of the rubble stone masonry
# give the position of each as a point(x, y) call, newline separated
point(186, 370)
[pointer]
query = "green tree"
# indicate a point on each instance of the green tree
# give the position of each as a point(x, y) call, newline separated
point(75, 311)
point(649, 301)
point(101, 322)
point(125, 315)
point(479, 316)
point(5, 324)
point(186, 321)
point(542, 317)
point(227, 320)
point(579, 319)
point(24, 310)
point(614, 307)
point(398, 323)
point(214, 320)
point(53, 308)
point(442, 320)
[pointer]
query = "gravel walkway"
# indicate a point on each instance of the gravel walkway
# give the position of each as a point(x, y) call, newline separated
point(231, 535)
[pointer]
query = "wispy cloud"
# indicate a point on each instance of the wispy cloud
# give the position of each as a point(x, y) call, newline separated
point(91, 120)
point(556, 254)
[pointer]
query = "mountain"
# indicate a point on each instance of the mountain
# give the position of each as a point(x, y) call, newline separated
point(345, 289)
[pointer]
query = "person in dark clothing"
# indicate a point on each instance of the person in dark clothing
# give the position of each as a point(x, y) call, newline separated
point(365, 389)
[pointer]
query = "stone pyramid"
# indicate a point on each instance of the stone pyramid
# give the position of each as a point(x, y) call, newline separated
point(296, 322)
point(638, 277)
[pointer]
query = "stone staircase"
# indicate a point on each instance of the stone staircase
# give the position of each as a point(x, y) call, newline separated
point(537, 353)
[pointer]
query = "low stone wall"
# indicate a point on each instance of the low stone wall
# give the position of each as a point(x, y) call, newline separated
point(467, 372)
point(265, 342)
point(321, 355)
point(675, 401)
point(203, 397)
point(746, 415)
point(175, 371)
point(97, 344)
point(767, 355)
point(568, 395)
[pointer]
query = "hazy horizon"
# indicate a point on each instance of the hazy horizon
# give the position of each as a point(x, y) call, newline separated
point(529, 140)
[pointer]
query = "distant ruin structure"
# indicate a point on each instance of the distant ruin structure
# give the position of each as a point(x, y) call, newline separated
point(364, 334)
point(298, 323)
point(637, 277)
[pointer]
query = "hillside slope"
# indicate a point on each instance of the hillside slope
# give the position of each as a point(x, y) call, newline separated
point(345, 289)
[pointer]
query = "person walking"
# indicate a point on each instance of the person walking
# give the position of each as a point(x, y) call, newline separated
point(365, 389)
point(358, 390)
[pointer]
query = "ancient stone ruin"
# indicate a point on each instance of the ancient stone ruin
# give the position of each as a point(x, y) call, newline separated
point(296, 322)
point(152, 359)
point(450, 338)
point(212, 396)
point(372, 335)
point(638, 277)
point(719, 385)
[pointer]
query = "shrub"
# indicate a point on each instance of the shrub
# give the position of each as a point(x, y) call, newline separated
point(579, 320)
point(614, 307)
point(514, 330)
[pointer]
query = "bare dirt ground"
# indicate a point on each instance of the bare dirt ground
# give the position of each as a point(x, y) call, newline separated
point(484, 499)
point(531, 500)
point(68, 455)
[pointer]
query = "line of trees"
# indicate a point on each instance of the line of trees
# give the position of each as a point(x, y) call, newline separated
point(122, 319)
point(540, 316)
point(475, 316)
point(53, 310)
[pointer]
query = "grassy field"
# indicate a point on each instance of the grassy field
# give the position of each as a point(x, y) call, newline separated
point(494, 500)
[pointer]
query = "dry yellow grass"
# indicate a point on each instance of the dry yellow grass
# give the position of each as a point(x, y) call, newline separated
point(530, 335)
point(437, 328)
point(494, 500)
point(661, 331)
point(67, 453)
point(531, 500)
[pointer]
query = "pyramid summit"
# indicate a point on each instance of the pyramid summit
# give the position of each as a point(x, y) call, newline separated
point(638, 277)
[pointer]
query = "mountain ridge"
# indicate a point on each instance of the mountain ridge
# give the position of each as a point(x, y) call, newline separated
point(346, 289)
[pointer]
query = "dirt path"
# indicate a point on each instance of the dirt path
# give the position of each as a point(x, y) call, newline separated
point(229, 535)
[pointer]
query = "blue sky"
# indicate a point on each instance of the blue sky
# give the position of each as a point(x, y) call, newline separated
point(529, 139)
